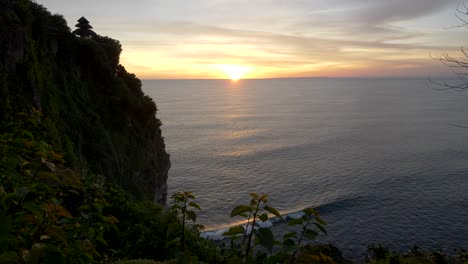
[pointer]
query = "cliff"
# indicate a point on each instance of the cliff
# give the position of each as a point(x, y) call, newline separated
point(95, 111)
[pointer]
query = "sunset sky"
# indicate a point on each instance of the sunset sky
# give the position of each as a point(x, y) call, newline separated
point(275, 38)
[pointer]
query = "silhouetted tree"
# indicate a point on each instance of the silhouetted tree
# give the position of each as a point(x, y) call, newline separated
point(84, 28)
point(459, 64)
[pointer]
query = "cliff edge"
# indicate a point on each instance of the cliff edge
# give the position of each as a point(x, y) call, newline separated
point(95, 110)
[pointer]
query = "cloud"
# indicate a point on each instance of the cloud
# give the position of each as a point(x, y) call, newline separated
point(292, 36)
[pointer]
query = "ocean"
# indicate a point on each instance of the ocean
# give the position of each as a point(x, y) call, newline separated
point(384, 160)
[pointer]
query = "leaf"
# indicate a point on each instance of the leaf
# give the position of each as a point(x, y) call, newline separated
point(175, 207)
point(310, 211)
point(240, 209)
point(235, 230)
point(266, 238)
point(321, 228)
point(9, 257)
point(289, 245)
point(22, 192)
point(173, 243)
point(195, 205)
point(100, 238)
point(7, 199)
point(56, 232)
point(191, 215)
point(273, 211)
point(290, 235)
point(320, 220)
point(254, 195)
point(50, 165)
point(263, 217)
point(310, 234)
point(297, 221)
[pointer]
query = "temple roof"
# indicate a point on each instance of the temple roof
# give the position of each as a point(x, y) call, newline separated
point(84, 26)
point(83, 20)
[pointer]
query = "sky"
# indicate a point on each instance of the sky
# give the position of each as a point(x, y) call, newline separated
point(275, 38)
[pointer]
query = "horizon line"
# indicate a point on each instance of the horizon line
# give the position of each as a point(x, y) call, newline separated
point(278, 78)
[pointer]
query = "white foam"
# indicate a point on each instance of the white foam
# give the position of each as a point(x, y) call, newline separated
point(294, 215)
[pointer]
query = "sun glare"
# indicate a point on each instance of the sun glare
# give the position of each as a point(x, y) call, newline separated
point(234, 72)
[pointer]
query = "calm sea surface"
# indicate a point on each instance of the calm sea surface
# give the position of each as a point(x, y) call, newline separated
point(378, 157)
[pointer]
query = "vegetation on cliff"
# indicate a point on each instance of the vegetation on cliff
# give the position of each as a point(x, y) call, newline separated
point(96, 113)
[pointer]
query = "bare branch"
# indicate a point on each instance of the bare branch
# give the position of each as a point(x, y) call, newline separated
point(459, 11)
point(458, 126)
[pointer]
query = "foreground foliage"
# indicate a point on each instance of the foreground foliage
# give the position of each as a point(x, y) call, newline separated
point(50, 213)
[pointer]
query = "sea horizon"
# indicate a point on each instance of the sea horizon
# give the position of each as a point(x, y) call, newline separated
point(324, 77)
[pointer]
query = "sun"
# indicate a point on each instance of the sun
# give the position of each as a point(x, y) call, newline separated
point(234, 72)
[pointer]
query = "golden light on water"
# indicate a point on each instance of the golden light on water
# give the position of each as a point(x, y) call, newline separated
point(234, 72)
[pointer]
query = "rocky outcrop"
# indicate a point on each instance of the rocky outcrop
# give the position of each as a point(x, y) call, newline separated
point(97, 113)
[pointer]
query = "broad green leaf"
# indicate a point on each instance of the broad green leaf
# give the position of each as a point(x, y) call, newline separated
point(310, 211)
point(263, 217)
point(254, 195)
point(297, 221)
point(173, 243)
point(290, 235)
point(310, 234)
point(235, 230)
point(273, 211)
point(320, 220)
point(240, 209)
point(175, 207)
point(321, 228)
point(191, 215)
point(266, 238)
point(100, 238)
point(289, 245)
point(195, 205)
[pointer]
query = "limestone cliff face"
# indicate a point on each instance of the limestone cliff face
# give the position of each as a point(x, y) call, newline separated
point(97, 113)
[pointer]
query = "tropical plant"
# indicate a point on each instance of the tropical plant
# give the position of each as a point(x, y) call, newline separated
point(257, 210)
point(293, 241)
point(183, 208)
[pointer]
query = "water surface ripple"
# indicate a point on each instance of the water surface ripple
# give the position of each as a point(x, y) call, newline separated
point(378, 157)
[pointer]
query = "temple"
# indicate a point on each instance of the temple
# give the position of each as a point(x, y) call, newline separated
point(84, 29)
